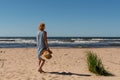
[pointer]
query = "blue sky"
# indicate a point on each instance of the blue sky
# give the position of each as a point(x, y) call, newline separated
point(62, 17)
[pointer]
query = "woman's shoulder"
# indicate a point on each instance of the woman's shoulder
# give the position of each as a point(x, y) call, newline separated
point(45, 31)
point(38, 32)
point(41, 32)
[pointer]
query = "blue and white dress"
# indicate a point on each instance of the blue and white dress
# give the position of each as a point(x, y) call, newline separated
point(40, 43)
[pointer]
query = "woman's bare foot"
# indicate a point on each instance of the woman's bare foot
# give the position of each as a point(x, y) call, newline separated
point(41, 71)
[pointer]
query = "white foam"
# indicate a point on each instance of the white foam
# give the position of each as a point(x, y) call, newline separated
point(17, 41)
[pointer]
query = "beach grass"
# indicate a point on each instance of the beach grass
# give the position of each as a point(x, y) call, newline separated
point(95, 64)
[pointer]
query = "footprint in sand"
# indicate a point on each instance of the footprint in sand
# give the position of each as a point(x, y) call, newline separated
point(2, 51)
point(2, 62)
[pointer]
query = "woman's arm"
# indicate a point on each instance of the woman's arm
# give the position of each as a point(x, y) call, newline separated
point(45, 38)
point(46, 42)
point(37, 40)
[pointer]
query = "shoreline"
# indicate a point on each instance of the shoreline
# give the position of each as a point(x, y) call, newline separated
point(73, 42)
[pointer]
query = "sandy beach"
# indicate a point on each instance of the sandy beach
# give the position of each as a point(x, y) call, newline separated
point(66, 64)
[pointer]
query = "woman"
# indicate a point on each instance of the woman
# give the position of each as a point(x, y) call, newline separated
point(42, 44)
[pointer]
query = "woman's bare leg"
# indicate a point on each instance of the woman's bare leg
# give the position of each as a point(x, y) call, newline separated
point(41, 63)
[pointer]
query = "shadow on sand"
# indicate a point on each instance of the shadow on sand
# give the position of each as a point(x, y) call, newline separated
point(68, 73)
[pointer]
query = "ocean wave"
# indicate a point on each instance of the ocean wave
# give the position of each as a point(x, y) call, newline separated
point(61, 42)
point(17, 41)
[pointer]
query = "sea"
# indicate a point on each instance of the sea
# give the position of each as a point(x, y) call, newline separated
point(65, 42)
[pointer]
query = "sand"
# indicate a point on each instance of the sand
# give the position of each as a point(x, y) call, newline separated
point(66, 64)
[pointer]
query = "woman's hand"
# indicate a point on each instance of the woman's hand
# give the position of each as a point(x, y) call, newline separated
point(49, 51)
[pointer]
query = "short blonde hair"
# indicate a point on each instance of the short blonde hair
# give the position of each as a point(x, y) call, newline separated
point(41, 26)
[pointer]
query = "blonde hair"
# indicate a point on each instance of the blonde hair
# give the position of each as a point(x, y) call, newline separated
point(41, 26)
